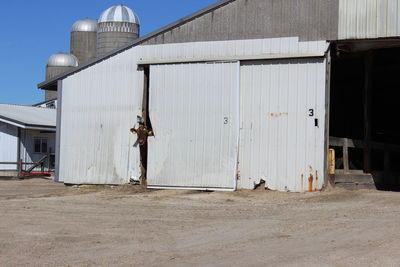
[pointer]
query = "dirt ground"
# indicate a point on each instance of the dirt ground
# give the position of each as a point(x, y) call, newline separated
point(47, 224)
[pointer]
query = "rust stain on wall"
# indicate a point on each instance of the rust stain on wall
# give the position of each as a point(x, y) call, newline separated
point(275, 115)
point(311, 180)
point(310, 183)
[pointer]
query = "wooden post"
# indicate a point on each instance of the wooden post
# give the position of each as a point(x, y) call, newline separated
point(367, 110)
point(19, 161)
point(48, 159)
point(19, 167)
point(331, 166)
point(386, 164)
point(346, 165)
point(331, 161)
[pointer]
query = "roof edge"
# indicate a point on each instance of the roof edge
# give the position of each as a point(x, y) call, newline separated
point(138, 41)
point(27, 126)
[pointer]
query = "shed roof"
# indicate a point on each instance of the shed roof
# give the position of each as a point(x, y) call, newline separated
point(51, 84)
point(28, 117)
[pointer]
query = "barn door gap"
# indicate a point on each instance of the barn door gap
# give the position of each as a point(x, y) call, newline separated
point(146, 122)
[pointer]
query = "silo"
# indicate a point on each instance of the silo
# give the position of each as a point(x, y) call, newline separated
point(57, 64)
point(118, 26)
point(83, 40)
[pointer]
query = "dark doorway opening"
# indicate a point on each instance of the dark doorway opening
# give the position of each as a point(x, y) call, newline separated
point(145, 120)
point(364, 110)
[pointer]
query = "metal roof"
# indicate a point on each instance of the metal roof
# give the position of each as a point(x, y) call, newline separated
point(119, 13)
point(28, 116)
point(211, 8)
point(62, 60)
point(84, 25)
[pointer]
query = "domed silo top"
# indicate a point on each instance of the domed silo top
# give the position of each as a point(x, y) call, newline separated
point(119, 13)
point(62, 60)
point(84, 25)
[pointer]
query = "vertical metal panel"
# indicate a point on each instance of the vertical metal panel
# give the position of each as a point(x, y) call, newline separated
point(57, 177)
point(99, 106)
point(8, 145)
point(362, 19)
point(279, 142)
point(194, 113)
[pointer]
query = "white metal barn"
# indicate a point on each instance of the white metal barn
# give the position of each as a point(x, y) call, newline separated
point(236, 93)
point(27, 134)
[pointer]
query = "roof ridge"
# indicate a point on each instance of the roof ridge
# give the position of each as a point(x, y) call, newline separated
point(138, 41)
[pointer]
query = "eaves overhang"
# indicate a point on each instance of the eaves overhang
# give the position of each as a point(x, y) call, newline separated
point(27, 126)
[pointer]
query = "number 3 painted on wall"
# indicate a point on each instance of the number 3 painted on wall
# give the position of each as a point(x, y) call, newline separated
point(311, 112)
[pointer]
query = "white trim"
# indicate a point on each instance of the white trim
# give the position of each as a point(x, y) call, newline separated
point(40, 128)
point(51, 129)
point(227, 59)
point(12, 123)
point(236, 177)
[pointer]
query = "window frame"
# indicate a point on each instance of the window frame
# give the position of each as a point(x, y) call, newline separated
point(42, 141)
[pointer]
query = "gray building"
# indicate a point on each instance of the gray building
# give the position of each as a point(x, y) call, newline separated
point(56, 65)
point(241, 93)
point(118, 26)
point(84, 40)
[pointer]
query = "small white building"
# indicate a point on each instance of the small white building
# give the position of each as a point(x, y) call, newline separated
point(27, 134)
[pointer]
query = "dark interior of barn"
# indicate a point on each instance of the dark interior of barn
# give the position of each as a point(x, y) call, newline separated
point(364, 110)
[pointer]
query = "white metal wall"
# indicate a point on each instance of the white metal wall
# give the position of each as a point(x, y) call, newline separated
point(256, 48)
point(361, 19)
point(8, 145)
point(99, 106)
point(194, 110)
point(279, 142)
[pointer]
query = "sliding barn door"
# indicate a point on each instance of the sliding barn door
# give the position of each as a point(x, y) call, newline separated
point(194, 111)
point(282, 136)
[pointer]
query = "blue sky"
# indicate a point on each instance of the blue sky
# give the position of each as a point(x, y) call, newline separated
point(33, 30)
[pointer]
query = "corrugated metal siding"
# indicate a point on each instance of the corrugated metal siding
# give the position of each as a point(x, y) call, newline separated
point(243, 19)
point(8, 145)
point(194, 110)
point(233, 49)
point(279, 142)
point(362, 19)
point(99, 106)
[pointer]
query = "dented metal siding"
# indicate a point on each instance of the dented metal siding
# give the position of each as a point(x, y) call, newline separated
point(364, 19)
point(99, 106)
point(279, 142)
point(194, 110)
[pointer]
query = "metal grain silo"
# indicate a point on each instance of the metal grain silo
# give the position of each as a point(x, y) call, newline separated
point(83, 40)
point(117, 27)
point(57, 64)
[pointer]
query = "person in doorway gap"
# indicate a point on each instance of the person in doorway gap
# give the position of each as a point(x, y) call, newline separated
point(142, 134)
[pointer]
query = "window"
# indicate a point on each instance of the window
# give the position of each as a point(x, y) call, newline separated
point(40, 145)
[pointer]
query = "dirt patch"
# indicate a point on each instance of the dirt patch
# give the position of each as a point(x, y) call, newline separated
point(49, 224)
